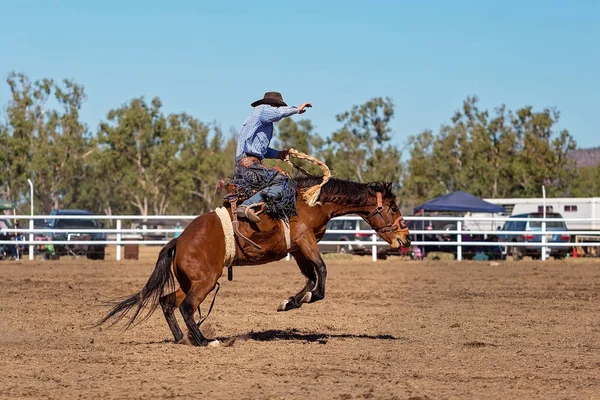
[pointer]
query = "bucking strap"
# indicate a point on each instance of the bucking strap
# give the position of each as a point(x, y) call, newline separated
point(223, 215)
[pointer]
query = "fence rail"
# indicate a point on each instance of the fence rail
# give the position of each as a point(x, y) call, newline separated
point(120, 234)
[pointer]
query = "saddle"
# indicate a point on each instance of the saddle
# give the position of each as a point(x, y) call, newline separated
point(232, 198)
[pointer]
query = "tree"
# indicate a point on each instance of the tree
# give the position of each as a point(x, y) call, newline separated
point(16, 137)
point(142, 146)
point(51, 144)
point(99, 190)
point(542, 159)
point(13, 163)
point(422, 179)
point(504, 155)
point(586, 182)
point(207, 159)
point(300, 136)
point(360, 149)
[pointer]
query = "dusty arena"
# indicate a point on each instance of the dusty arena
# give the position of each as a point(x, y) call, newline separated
point(387, 330)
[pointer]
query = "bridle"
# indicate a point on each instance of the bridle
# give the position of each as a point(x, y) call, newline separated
point(398, 224)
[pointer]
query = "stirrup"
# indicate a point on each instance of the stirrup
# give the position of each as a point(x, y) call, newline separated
point(237, 233)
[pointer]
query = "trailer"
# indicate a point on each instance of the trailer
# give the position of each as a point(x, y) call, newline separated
point(569, 207)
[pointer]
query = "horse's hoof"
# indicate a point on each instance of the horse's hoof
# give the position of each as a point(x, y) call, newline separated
point(214, 343)
point(287, 305)
point(283, 305)
point(306, 298)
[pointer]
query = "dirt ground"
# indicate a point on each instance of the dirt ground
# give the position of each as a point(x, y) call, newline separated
point(387, 330)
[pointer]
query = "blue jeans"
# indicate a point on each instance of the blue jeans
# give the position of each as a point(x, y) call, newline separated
point(275, 192)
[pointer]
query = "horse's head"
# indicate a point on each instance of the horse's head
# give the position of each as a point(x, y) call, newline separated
point(374, 202)
point(386, 219)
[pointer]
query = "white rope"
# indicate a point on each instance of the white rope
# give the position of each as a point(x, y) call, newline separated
point(311, 195)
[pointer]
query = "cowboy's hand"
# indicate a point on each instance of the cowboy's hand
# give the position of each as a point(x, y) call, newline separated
point(283, 155)
point(302, 107)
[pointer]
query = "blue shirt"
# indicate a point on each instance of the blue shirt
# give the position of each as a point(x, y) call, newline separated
point(257, 131)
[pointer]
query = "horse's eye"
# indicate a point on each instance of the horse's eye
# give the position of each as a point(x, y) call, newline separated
point(394, 209)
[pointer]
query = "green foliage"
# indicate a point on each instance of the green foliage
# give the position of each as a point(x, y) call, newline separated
point(586, 183)
point(151, 155)
point(143, 161)
point(48, 144)
point(360, 150)
point(205, 162)
point(300, 136)
point(503, 155)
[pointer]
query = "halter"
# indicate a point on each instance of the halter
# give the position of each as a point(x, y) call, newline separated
point(398, 224)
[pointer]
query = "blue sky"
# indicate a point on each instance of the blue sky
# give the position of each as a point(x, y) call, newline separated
point(212, 59)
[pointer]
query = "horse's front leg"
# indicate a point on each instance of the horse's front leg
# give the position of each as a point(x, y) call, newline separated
point(313, 267)
point(308, 270)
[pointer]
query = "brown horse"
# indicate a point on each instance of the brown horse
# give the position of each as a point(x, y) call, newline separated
point(196, 257)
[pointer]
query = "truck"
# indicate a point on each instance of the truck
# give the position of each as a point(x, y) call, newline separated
point(586, 209)
point(74, 227)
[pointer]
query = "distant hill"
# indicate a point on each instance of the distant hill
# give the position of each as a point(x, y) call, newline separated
point(586, 157)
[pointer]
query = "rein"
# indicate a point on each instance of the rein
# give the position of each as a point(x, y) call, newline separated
point(211, 306)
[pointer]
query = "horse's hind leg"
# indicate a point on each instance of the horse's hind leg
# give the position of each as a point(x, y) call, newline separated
point(196, 295)
point(169, 303)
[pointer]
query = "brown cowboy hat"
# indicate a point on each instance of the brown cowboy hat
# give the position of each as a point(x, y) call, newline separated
point(272, 98)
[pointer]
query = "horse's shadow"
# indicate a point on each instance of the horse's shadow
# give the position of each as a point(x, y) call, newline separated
point(294, 334)
point(271, 335)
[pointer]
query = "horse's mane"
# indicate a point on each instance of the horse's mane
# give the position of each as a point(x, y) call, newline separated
point(347, 192)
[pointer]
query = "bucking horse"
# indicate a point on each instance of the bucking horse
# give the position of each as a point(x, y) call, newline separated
point(216, 239)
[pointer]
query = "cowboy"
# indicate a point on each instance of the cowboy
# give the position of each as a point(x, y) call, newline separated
point(269, 184)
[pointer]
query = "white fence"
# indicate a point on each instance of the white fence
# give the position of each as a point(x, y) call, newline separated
point(120, 233)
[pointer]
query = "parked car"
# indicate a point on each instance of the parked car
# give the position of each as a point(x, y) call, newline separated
point(94, 252)
point(529, 234)
point(356, 241)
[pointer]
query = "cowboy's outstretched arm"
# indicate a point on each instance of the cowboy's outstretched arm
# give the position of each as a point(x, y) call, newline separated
point(274, 114)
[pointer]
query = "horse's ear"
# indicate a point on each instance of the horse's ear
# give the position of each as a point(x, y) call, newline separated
point(389, 190)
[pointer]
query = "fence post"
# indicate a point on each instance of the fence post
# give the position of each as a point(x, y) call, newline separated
point(374, 248)
point(459, 240)
point(119, 240)
point(544, 248)
point(31, 246)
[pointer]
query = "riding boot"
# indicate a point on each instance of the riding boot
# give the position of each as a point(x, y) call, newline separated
point(247, 212)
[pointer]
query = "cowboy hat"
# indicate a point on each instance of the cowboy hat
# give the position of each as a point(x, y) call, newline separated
point(272, 98)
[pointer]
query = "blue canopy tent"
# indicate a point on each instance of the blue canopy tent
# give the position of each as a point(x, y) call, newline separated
point(456, 202)
point(459, 202)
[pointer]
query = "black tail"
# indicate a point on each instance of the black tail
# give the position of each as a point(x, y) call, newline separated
point(152, 291)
